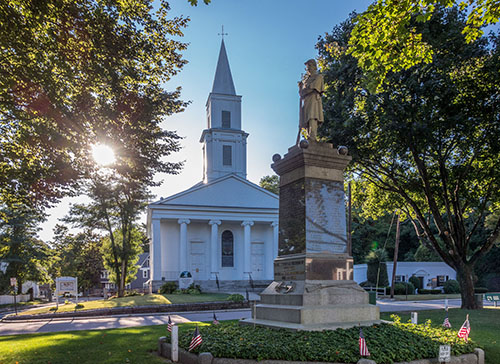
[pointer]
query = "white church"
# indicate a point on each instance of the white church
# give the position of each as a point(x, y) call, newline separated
point(223, 229)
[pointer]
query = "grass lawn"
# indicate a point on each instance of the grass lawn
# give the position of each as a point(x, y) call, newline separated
point(190, 298)
point(131, 345)
point(146, 300)
point(425, 297)
point(138, 345)
point(485, 326)
point(20, 304)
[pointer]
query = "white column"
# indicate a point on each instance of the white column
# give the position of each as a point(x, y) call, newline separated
point(247, 247)
point(183, 244)
point(155, 259)
point(275, 226)
point(214, 245)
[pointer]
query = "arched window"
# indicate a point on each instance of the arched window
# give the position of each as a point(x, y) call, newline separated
point(227, 249)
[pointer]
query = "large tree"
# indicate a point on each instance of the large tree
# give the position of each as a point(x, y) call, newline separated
point(73, 73)
point(428, 143)
point(77, 255)
point(26, 255)
point(386, 37)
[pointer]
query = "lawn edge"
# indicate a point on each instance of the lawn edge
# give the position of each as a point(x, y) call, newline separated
point(174, 307)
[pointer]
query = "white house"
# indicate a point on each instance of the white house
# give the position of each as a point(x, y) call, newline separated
point(430, 274)
point(224, 228)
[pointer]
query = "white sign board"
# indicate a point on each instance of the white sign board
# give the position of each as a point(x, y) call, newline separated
point(67, 285)
point(13, 282)
point(444, 353)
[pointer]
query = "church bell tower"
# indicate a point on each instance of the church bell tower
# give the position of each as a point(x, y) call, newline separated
point(224, 143)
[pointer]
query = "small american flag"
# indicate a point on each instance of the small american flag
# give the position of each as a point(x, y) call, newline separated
point(363, 349)
point(465, 330)
point(446, 322)
point(170, 325)
point(196, 340)
point(215, 321)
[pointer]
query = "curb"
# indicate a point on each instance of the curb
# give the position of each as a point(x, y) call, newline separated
point(127, 311)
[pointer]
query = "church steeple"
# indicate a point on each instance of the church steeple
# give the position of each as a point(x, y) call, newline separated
point(223, 81)
point(224, 143)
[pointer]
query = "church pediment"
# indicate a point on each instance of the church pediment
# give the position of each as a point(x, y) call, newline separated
point(227, 191)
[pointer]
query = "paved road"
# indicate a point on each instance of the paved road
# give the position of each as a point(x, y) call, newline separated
point(100, 323)
point(111, 322)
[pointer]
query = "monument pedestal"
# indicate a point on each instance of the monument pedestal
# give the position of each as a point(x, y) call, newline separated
point(313, 286)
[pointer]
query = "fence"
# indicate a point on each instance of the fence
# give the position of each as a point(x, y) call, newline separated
point(8, 299)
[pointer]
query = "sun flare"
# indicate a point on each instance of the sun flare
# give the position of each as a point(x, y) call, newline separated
point(103, 154)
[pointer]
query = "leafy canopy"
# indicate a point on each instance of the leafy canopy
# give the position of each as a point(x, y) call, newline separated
point(386, 38)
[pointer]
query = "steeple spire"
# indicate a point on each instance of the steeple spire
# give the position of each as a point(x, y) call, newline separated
point(223, 81)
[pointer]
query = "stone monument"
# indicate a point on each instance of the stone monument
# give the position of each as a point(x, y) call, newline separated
point(313, 286)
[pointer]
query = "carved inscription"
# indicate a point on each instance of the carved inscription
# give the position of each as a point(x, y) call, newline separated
point(289, 270)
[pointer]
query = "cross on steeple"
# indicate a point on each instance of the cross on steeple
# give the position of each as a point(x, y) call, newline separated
point(223, 34)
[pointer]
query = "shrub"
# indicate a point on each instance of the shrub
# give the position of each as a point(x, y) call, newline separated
point(194, 287)
point(367, 284)
point(480, 290)
point(236, 297)
point(451, 286)
point(375, 259)
point(415, 281)
point(429, 291)
point(168, 287)
point(400, 288)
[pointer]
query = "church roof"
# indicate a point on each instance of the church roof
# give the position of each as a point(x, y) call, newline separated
point(223, 81)
point(227, 191)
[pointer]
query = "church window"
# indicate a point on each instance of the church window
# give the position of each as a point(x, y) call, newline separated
point(226, 155)
point(226, 119)
point(227, 249)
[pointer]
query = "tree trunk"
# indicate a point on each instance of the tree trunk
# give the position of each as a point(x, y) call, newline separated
point(121, 289)
point(465, 276)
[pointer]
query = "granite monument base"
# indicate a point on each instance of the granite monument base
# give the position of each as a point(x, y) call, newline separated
point(314, 305)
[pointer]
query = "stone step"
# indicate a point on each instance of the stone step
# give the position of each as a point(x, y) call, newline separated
point(309, 315)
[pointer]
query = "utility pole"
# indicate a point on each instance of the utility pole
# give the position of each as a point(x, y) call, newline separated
point(394, 266)
point(349, 221)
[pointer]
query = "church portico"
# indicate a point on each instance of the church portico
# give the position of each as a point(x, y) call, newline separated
point(225, 228)
point(213, 248)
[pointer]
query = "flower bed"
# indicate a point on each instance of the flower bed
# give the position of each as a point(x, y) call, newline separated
point(387, 343)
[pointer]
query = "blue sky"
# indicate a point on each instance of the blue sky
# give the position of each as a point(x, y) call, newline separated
point(267, 45)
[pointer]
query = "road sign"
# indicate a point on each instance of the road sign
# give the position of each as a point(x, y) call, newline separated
point(444, 353)
point(13, 281)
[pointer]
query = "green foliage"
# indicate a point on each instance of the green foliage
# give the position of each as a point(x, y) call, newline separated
point(377, 268)
point(80, 72)
point(193, 289)
point(236, 297)
point(77, 255)
point(415, 281)
point(387, 343)
point(26, 255)
point(424, 145)
point(403, 288)
point(429, 291)
point(168, 287)
point(387, 37)
point(451, 286)
point(271, 183)
point(127, 252)
point(424, 254)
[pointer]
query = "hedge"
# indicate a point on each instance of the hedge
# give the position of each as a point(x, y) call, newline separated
point(429, 291)
point(387, 343)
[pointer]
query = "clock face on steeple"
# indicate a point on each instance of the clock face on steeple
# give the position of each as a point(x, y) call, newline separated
point(224, 143)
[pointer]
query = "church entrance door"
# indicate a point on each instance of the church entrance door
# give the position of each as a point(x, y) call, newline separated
point(198, 261)
point(257, 260)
